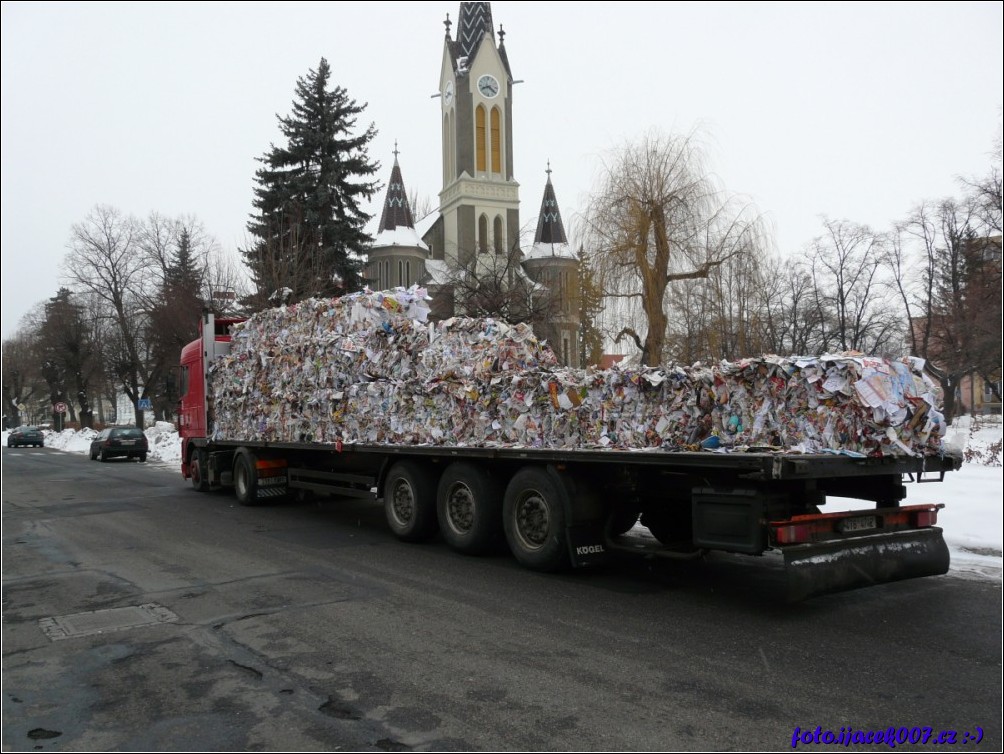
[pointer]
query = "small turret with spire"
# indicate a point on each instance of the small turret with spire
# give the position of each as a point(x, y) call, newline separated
point(396, 211)
point(398, 255)
point(550, 239)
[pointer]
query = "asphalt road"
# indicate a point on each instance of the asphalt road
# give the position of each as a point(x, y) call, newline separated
point(309, 627)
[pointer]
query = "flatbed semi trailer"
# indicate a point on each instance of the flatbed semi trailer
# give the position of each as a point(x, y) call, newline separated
point(559, 508)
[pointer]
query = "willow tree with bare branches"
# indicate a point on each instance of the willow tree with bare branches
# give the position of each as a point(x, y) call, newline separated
point(659, 217)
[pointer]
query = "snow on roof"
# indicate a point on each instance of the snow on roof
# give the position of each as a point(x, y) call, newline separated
point(423, 225)
point(545, 250)
point(438, 271)
point(400, 236)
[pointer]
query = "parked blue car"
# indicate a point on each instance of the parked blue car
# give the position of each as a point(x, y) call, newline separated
point(25, 435)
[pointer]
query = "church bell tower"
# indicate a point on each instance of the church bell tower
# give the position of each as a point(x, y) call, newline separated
point(479, 201)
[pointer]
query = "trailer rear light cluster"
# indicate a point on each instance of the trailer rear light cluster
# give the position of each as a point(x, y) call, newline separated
point(820, 526)
point(270, 467)
point(792, 533)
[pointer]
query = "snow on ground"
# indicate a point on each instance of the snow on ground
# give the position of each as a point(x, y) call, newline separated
point(972, 517)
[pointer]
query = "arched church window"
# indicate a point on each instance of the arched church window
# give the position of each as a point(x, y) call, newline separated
point(483, 234)
point(499, 238)
point(496, 140)
point(479, 138)
point(446, 149)
point(451, 139)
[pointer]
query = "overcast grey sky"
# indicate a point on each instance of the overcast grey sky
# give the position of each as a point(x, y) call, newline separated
point(855, 111)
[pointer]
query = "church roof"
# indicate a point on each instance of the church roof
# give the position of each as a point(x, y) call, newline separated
point(550, 239)
point(473, 25)
point(396, 212)
point(397, 225)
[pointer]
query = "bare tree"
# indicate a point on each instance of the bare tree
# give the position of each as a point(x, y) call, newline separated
point(105, 260)
point(421, 205)
point(69, 356)
point(282, 269)
point(947, 273)
point(495, 285)
point(716, 317)
point(660, 217)
point(22, 383)
point(788, 321)
point(985, 192)
point(847, 267)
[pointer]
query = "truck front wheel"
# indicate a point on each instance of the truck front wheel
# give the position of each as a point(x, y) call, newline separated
point(197, 468)
point(533, 516)
point(469, 504)
point(410, 501)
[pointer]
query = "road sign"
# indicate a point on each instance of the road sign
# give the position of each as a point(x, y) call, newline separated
point(59, 408)
point(144, 404)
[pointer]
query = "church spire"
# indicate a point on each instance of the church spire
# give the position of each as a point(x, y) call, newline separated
point(474, 22)
point(396, 212)
point(550, 229)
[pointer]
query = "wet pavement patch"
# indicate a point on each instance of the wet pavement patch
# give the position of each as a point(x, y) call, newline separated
point(40, 734)
point(102, 621)
point(336, 708)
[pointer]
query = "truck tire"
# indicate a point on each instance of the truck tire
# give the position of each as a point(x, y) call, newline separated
point(410, 501)
point(245, 478)
point(533, 516)
point(198, 466)
point(469, 508)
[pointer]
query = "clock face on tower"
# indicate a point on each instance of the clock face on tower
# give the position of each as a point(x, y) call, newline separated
point(488, 85)
point(448, 93)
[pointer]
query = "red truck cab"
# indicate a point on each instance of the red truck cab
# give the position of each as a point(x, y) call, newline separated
point(193, 409)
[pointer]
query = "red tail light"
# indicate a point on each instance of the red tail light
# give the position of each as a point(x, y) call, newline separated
point(792, 534)
point(823, 526)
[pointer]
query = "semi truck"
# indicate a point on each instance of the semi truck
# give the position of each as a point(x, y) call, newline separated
point(556, 508)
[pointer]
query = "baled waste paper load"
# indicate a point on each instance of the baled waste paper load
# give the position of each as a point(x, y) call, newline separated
point(370, 368)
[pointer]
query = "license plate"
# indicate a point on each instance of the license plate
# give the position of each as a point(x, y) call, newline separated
point(128, 442)
point(858, 523)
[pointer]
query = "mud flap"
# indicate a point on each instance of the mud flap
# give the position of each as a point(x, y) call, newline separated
point(819, 568)
point(586, 546)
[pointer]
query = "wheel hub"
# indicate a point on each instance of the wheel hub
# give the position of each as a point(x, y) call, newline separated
point(533, 521)
point(403, 502)
point(460, 508)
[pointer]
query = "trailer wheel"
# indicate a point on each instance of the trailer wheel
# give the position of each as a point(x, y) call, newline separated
point(245, 478)
point(469, 507)
point(410, 501)
point(197, 468)
point(533, 516)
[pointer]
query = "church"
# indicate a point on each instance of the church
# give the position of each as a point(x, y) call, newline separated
point(469, 253)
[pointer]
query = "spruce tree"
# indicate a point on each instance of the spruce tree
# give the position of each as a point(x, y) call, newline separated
point(308, 226)
point(590, 309)
point(183, 271)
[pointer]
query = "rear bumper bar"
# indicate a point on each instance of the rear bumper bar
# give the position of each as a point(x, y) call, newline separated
point(822, 567)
